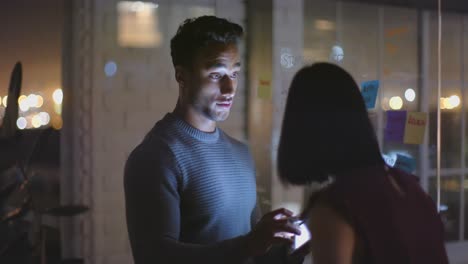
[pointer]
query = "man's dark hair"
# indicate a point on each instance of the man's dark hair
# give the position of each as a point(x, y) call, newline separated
point(326, 129)
point(195, 33)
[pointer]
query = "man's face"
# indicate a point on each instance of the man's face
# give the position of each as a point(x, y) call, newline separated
point(212, 81)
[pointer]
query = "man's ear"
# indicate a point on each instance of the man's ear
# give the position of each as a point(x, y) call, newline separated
point(181, 75)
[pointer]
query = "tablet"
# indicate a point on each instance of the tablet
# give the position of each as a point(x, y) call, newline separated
point(301, 245)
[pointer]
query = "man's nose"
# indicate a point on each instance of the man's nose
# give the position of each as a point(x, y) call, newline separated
point(228, 85)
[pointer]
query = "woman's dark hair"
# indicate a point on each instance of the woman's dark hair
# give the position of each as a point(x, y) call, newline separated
point(195, 33)
point(326, 129)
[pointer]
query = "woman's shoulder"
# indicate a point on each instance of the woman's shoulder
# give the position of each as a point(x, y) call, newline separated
point(335, 237)
point(327, 197)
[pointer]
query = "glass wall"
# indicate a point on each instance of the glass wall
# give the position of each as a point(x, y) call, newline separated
point(398, 47)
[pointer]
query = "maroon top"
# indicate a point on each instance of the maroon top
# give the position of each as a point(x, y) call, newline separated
point(391, 227)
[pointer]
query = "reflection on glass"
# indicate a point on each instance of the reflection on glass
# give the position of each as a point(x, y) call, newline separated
point(450, 204)
point(336, 54)
point(110, 68)
point(451, 44)
point(465, 188)
point(178, 12)
point(400, 44)
point(319, 43)
point(138, 24)
point(362, 53)
point(388, 51)
point(386, 43)
point(393, 148)
point(287, 59)
point(324, 24)
point(450, 139)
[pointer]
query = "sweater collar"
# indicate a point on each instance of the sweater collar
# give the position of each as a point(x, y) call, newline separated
point(192, 131)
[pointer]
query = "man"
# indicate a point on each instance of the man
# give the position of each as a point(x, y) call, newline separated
point(189, 187)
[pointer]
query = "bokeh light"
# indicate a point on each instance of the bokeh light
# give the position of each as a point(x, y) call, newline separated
point(57, 122)
point(21, 123)
point(410, 95)
point(40, 101)
point(36, 121)
point(57, 96)
point(110, 68)
point(45, 118)
point(453, 101)
point(396, 103)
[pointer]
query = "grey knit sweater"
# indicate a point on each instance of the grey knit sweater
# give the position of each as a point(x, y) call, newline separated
point(190, 195)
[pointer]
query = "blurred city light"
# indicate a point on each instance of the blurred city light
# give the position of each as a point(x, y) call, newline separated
point(21, 123)
point(44, 117)
point(453, 101)
point(396, 103)
point(443, 103)
point(142, 16)
point(23, 103)
point(24, 106)
point(449, 102)
point(32, 100)
point(324, 25)
point(385, 104)
point(58, 96)
point(410, 95)
point(22, 98)
point(40, 101)
point(137, 6)
point(110, 68)
point(57, 122)
point(58, 109)
point(36, 121)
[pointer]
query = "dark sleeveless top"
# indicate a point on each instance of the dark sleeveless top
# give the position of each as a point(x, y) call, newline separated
point(390, 227)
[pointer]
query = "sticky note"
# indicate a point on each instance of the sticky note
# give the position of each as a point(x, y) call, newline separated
point(395, 129)
point(415, 128)
point(264, 88)
point(405, 163)
point(369, 92)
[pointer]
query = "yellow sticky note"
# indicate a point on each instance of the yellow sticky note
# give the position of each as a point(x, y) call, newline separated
point(264, 88)
point(416, 123)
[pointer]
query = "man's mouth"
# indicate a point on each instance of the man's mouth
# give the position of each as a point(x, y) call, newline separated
point(224, 104)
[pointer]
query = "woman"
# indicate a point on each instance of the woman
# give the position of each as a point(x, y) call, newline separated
point(368, 213)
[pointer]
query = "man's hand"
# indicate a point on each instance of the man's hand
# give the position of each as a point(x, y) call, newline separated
point(274, 227)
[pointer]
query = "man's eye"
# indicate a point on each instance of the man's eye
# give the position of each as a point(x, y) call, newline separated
point(235, 75)
point(215, 76)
